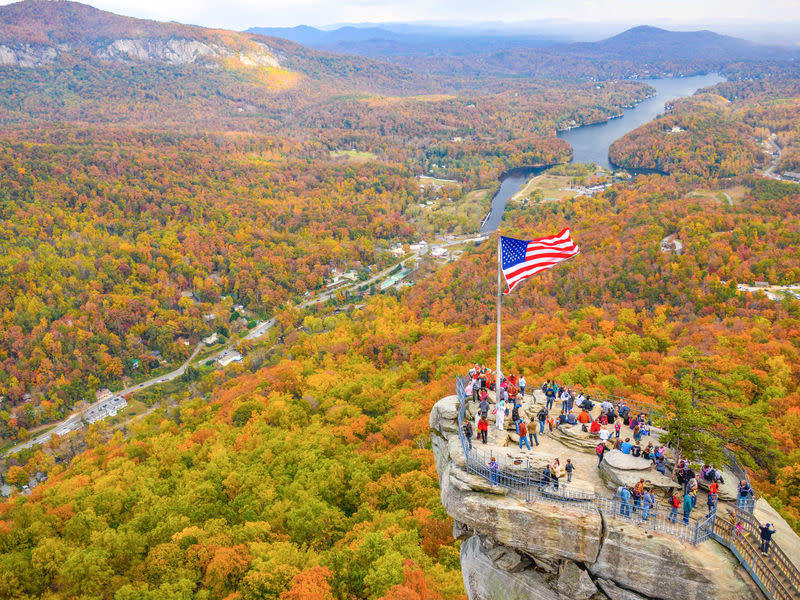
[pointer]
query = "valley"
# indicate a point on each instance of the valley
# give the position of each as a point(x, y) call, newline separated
point(241, 270)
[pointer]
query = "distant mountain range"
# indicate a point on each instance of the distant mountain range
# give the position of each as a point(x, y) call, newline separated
point(37, 33)
point(653, 43)
point(395, 58)
point(637, 43)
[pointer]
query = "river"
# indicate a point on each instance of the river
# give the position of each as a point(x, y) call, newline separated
point(590, 143)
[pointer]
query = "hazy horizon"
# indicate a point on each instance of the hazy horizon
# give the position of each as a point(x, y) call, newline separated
point(504, 15)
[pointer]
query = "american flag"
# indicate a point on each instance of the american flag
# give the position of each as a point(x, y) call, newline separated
point(523, 258)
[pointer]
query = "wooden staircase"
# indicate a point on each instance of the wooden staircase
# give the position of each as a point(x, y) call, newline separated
point(773, 572)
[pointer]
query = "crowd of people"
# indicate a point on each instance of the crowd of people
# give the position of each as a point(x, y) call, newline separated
point(576, 409)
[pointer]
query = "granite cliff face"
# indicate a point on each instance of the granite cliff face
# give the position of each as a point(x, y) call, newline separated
point(36, 33)
point(171, 51)
point(514, 550)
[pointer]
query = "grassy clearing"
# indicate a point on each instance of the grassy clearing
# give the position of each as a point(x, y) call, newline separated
point(546, 187)
point(733, 195)
point(425, 181)
point(354, 156)
point(458, 215)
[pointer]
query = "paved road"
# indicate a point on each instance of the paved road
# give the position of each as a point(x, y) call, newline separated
point(73, 422)
point(325, 296)
point(773, 164)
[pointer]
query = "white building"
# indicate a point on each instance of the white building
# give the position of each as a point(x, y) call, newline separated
point(228, 357)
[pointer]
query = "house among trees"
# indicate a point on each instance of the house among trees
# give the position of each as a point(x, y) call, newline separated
point(103, 394)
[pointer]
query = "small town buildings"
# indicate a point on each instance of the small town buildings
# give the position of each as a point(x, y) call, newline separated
point(792, 175)
point(211, 340)
point(103, 394)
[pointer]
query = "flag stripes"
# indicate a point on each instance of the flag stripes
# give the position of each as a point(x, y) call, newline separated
point(521, 258)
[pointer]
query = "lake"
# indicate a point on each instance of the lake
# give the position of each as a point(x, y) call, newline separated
point(590, 143)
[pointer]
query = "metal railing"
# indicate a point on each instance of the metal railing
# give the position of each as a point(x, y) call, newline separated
point(524, 482)
point(657, 417)
point(767, 577)
point(527, 483)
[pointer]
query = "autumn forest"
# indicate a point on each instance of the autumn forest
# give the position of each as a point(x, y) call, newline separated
point(147, 205)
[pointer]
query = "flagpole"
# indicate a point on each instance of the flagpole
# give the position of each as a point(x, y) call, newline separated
point(498, 373)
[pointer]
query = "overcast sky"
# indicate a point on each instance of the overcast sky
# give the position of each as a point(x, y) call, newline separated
point(241, 14)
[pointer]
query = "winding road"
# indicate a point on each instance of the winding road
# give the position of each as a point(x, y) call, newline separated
point(74, 421)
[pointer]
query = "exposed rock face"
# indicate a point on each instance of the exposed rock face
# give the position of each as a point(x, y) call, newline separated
point(26, 55)
point(172, 51)
point(544, 550)
point(574, 582)
point(484, 580)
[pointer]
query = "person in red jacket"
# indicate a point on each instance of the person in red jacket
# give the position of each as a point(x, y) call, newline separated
point(523, 435)
point(483, 429)
point(595, 428)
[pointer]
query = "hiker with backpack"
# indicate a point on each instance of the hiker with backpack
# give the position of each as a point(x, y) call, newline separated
point(600, 450)
point(743, 495)
point(542, 417)
point(674, 503)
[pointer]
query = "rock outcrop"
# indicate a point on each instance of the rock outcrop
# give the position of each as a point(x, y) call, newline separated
point(619, 468)
point(514, 549)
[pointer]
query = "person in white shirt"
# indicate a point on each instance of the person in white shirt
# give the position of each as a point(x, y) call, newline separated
point(607, 406)
point(500, 420)
point(522, 384)
point(604, 434)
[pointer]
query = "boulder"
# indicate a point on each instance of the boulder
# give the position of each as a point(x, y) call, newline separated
point(619, 469)
point(484, 580)
point(574, 583)
point(660, 566)
point(727, 491)
point(444, 415)
point(574, 437)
